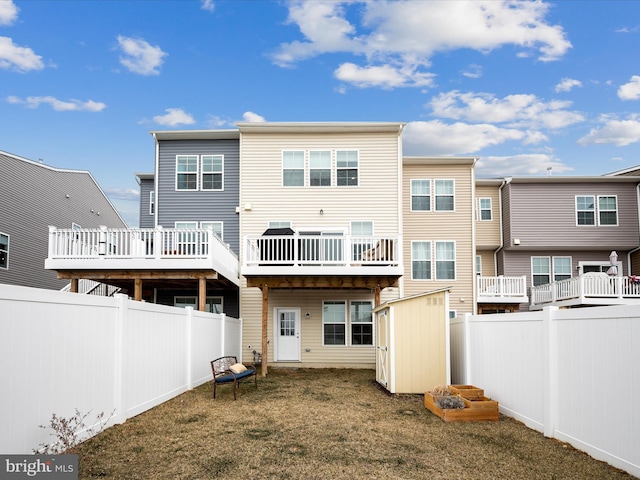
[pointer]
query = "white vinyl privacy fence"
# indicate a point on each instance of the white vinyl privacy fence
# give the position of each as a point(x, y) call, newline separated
point(63, 351)
point(571, 374)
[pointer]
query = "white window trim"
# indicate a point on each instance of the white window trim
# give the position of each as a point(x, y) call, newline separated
point(152, 202)
point(202, 173)
point(346, 323)
point(550, 274)
point(435, 195)
point(411, 194)
point(196, 173)
point(357, 167)
point(617, 210)
point(455, 261)
point(431, 261)
point(332, 168)
point(351, 323)
point(304, 168)
point(553, 266)
point(7, 250)
point(480, 209)
point(595, 210)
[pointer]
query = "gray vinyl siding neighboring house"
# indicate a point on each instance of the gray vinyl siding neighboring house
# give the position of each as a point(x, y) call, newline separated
point(35, 196)
point(147, 200)
point(195, 206)
point(540, 221)
point(199, 206)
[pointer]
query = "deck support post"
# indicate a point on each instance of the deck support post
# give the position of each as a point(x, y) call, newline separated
point(137, 289)
point(202, 294)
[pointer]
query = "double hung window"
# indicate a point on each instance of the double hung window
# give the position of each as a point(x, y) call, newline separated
point(212, 171)
point(421, 260)
point(187, 172)
point(608, 210)
point(4, 251)
point(540, 271)
point(334, 322)
point(152, 202)
point(420, 195)
point(444, 190)
point(484, 207)
point(561, 268)
point(604, 211)
point(361, 323)
point(445, 261)
point(347, 167)
point(293, 168)
point(320, 168)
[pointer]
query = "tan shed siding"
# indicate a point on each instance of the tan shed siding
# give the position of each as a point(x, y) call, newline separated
point(420, 347)
point(454, 226)
point(488, 232)
point(557, 226)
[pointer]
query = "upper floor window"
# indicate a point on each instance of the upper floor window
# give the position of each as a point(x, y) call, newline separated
point(484, 207)
point(293, 168)
point(478, 265)
point(4, 250)
point(421, 260)
point(279, 224)
point(540, 271)
point(347, 167)
point(320, 168)
point(152, 202)
point(445, 191)
point(212, 168)
point(421, 195)
point(445, 260)
point(186, 172)
point(561, 268)
point(605, 211)
point(608, 210)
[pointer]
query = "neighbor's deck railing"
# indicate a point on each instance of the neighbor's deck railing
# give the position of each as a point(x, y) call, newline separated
point(140, 244)
point(502, 288)
point(323, 250)
point(586, 286)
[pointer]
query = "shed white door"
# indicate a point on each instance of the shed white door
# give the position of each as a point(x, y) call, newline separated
point(382, 349)
point(287, 335)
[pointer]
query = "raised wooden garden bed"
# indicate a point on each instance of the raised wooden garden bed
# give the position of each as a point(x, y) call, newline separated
point(477, 407)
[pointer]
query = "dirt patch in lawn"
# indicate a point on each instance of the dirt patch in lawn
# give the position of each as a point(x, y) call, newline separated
point(323, 424)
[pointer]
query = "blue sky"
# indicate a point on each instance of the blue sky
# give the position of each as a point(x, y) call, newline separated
point(523, 85)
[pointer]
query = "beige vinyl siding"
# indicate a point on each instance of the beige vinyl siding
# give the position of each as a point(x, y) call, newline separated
point(487, 263)
point(375, 199)
point(488, 231)
point(454, 226)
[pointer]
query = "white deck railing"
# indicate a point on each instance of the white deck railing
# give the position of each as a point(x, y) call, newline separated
point(320, 250)
point(501, 289)
point(141, 244)
point(586, 287)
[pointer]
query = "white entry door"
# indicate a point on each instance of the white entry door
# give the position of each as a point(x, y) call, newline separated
point(287, 335)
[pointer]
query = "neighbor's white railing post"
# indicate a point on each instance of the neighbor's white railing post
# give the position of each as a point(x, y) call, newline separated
point(550, 370)
point(52, 241)
point(157, 242)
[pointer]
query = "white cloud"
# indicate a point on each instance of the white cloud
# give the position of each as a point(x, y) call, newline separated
point(405, 35)
point(438, 138)
point(208, 5)
point(20, 59)
point(630, 90)
point(173, 117)
point(385, 76)
point(8, 12)
point(252, 117)
point(59, 105)
point(521, 110)
point(567, 84)
point(526, 164)
point(139, 56)
point(615, 132)
point(473, 71)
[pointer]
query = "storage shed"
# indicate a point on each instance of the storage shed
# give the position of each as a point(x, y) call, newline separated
point(412, 345)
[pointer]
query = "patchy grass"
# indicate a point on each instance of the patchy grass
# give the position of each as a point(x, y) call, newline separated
point(318, 424)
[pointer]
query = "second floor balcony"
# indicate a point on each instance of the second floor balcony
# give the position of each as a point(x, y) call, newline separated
point(318, 254)
point(101, 249)
point(502, 290)
point(589, 289)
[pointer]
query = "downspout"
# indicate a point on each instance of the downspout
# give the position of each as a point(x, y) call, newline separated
point(400, 216)
point(506, 181)
point(474, 288)
point(630, 252)
point(155, 181)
